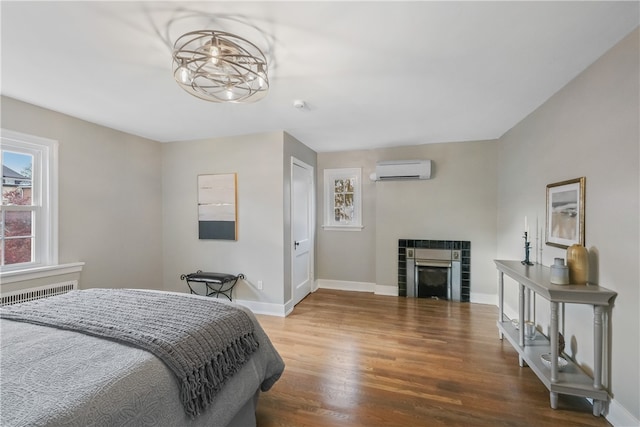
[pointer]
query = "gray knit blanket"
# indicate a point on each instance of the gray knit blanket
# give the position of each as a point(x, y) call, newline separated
point(203, 341)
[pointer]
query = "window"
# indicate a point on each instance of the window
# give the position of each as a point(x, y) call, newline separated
point(28, 213)
point(343, 200)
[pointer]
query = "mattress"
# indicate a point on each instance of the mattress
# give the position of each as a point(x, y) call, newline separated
point(55, 377)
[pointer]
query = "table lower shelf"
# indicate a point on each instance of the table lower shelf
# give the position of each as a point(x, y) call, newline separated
point(572, 380)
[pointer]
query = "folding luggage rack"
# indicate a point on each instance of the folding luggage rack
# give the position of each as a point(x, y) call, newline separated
point(216, 283)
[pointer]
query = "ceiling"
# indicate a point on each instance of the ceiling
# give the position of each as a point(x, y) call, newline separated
point(372, 74)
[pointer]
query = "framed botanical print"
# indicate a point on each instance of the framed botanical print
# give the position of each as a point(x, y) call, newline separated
point(343, 199)
point(565, 213)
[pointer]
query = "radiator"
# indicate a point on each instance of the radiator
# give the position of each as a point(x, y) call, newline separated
point(31, 294)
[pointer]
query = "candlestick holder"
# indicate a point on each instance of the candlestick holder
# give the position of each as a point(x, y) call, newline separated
point(527, 248)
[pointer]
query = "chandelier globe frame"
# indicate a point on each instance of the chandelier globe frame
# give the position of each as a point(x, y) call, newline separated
point(218, 66)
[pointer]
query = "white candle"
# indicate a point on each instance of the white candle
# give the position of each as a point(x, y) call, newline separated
point(526, 226)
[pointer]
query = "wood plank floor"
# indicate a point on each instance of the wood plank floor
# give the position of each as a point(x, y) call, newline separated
point(357, 359)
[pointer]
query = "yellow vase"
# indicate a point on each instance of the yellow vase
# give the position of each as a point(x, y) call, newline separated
point(578, 263)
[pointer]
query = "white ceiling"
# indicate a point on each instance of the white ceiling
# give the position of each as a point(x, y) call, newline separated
point(373, 74)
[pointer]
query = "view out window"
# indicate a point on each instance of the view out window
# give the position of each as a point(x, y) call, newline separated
point(28, 211)
point(343, 206)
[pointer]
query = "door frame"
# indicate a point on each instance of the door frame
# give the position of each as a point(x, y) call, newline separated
point(312, 232)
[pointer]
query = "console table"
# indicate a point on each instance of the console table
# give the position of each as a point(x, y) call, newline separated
point(571, 380)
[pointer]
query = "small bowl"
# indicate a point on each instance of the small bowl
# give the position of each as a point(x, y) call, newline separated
point(546, 360)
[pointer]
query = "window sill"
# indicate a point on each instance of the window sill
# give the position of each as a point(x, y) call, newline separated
point(342, 227)
point(40, 272)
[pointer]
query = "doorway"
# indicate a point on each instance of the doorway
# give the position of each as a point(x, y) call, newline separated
point(302, 229)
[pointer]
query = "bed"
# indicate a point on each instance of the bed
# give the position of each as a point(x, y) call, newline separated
point(52, 374)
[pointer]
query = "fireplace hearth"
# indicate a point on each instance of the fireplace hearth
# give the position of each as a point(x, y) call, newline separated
point(434, 269)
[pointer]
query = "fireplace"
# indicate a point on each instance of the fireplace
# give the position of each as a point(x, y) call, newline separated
point(434, 269)
point(433, 273)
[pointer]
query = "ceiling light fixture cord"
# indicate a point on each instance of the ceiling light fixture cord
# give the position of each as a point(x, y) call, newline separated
point(220, 67)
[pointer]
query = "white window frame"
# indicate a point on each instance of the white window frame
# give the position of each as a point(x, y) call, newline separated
point(44, 198)
point(330, 222)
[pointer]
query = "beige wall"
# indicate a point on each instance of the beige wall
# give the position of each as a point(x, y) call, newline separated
point(590, 128)
point(347, 255)
point(262, 250)
point(458, 203)
point(109, 197)
point(258, 251)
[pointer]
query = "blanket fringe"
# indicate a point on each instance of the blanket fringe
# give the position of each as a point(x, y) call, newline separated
point(199, 387)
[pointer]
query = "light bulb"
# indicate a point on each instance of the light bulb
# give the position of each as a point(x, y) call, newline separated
point(214, 51)
point(184, 75)
point(260, 74)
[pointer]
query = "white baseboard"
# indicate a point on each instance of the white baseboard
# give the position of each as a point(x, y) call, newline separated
point(510, 312)
point(389, 290)
point(268, 308)
point(489, 299)
point(618, 416)
point(343, 285)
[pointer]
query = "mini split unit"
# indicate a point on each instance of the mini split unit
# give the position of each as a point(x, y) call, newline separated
point(402, 170)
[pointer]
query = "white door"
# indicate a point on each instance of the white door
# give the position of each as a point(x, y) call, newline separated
point(301, 229)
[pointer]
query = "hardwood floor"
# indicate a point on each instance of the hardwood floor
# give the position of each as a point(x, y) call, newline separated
point(357, 359)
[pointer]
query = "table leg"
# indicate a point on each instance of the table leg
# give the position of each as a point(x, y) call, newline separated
point(553, 400)
point(521, 322)
point(597, 407)
point(500, 300)
point(521, 316)
point(553, 336)
point(598, 327)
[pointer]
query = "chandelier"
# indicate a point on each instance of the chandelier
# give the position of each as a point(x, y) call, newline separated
point(220, 67)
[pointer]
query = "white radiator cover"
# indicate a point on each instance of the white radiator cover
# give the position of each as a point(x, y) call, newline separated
point(30, 294)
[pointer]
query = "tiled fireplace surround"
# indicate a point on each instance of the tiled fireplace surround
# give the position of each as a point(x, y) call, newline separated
point(465, 264)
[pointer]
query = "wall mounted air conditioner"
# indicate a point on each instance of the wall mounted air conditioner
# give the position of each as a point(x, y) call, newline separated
point(402, 169)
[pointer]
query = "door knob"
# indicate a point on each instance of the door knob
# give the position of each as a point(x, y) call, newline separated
point(296, 244)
